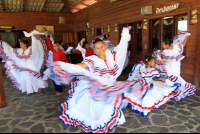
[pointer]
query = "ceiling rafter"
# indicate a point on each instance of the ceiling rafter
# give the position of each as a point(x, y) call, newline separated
point(67, 5)
point(42, 5)
point(79, 2)
point(61, 7)
point(42, 1)
point(22, 4)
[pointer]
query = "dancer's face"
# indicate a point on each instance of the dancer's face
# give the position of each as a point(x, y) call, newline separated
point(87, 46)
point(164, 46)
point(22, 45)
point(152, 62)
point(100, 48)
point(56, 46)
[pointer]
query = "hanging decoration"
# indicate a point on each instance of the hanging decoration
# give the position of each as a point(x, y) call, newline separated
point(166, 22)
point(182, 17)
point(108, 28)
point(139, 26)
point(194, 16)
point(156, 23)
point(145, 24)
point(93, 31)
point(101, 30)
point(116, 30)
point(86, 32)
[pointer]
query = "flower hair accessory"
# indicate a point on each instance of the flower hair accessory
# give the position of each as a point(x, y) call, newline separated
point(147, 59)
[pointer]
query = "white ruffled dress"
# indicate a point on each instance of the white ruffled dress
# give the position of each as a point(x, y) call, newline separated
point(23, 67)
point(157, 94)
point(96, 97)
point(173, 66)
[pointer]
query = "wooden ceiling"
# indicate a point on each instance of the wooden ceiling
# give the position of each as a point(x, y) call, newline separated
point(53, 6)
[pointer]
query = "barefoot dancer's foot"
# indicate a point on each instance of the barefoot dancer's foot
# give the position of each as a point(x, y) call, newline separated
point(28, 93)
point(113, 130)
point(59, 94)
point(39, 90)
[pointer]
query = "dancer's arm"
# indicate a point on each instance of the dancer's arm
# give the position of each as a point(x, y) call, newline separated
point(156, 79)
point(185, 41)
point(49, 43)
point(122, 49)
point(82, 50)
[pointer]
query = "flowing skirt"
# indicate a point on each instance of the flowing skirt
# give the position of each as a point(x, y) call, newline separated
point(81, 109)
point(158, 94)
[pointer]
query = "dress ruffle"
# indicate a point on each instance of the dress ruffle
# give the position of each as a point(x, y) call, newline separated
point(159, 64)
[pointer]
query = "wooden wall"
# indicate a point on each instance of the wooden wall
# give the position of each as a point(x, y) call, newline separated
point(103, 13)
point(28, 20)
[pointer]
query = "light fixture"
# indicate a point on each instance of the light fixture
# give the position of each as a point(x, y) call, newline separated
point(88, 25)
point(62, 20)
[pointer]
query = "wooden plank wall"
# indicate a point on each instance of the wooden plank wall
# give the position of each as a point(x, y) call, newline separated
point(103, 13)
point(28, 20)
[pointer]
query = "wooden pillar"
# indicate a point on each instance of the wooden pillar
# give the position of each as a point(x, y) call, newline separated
point(197, 59)
point(2, 92)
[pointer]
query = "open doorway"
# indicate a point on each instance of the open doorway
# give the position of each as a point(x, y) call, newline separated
point(98, 32)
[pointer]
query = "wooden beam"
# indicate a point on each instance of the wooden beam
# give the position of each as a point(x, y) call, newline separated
point(42, 5)
point(1, 7)
point(79, 2)
point(197, 58)
point(72, 7)
point(67, 4)
point(22, 4)
point(61, 7)
point(46, 1)
point(11, 4)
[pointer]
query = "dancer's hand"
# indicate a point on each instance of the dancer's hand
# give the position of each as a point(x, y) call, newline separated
point(125, 33)
point(81, 42)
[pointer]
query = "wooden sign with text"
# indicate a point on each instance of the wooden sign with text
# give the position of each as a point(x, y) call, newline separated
point(6, 27)
point(168, 7)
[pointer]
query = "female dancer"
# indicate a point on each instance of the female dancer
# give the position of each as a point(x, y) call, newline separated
point(24, 64)
point(172, 56)
point(86, 105)
point(159, 91)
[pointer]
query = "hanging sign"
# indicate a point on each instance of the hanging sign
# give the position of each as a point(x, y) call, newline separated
point(194, 16)
point(168, 7)
point(102, 30)
point(116, 30)
point(145, 24)
point(108, 28)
